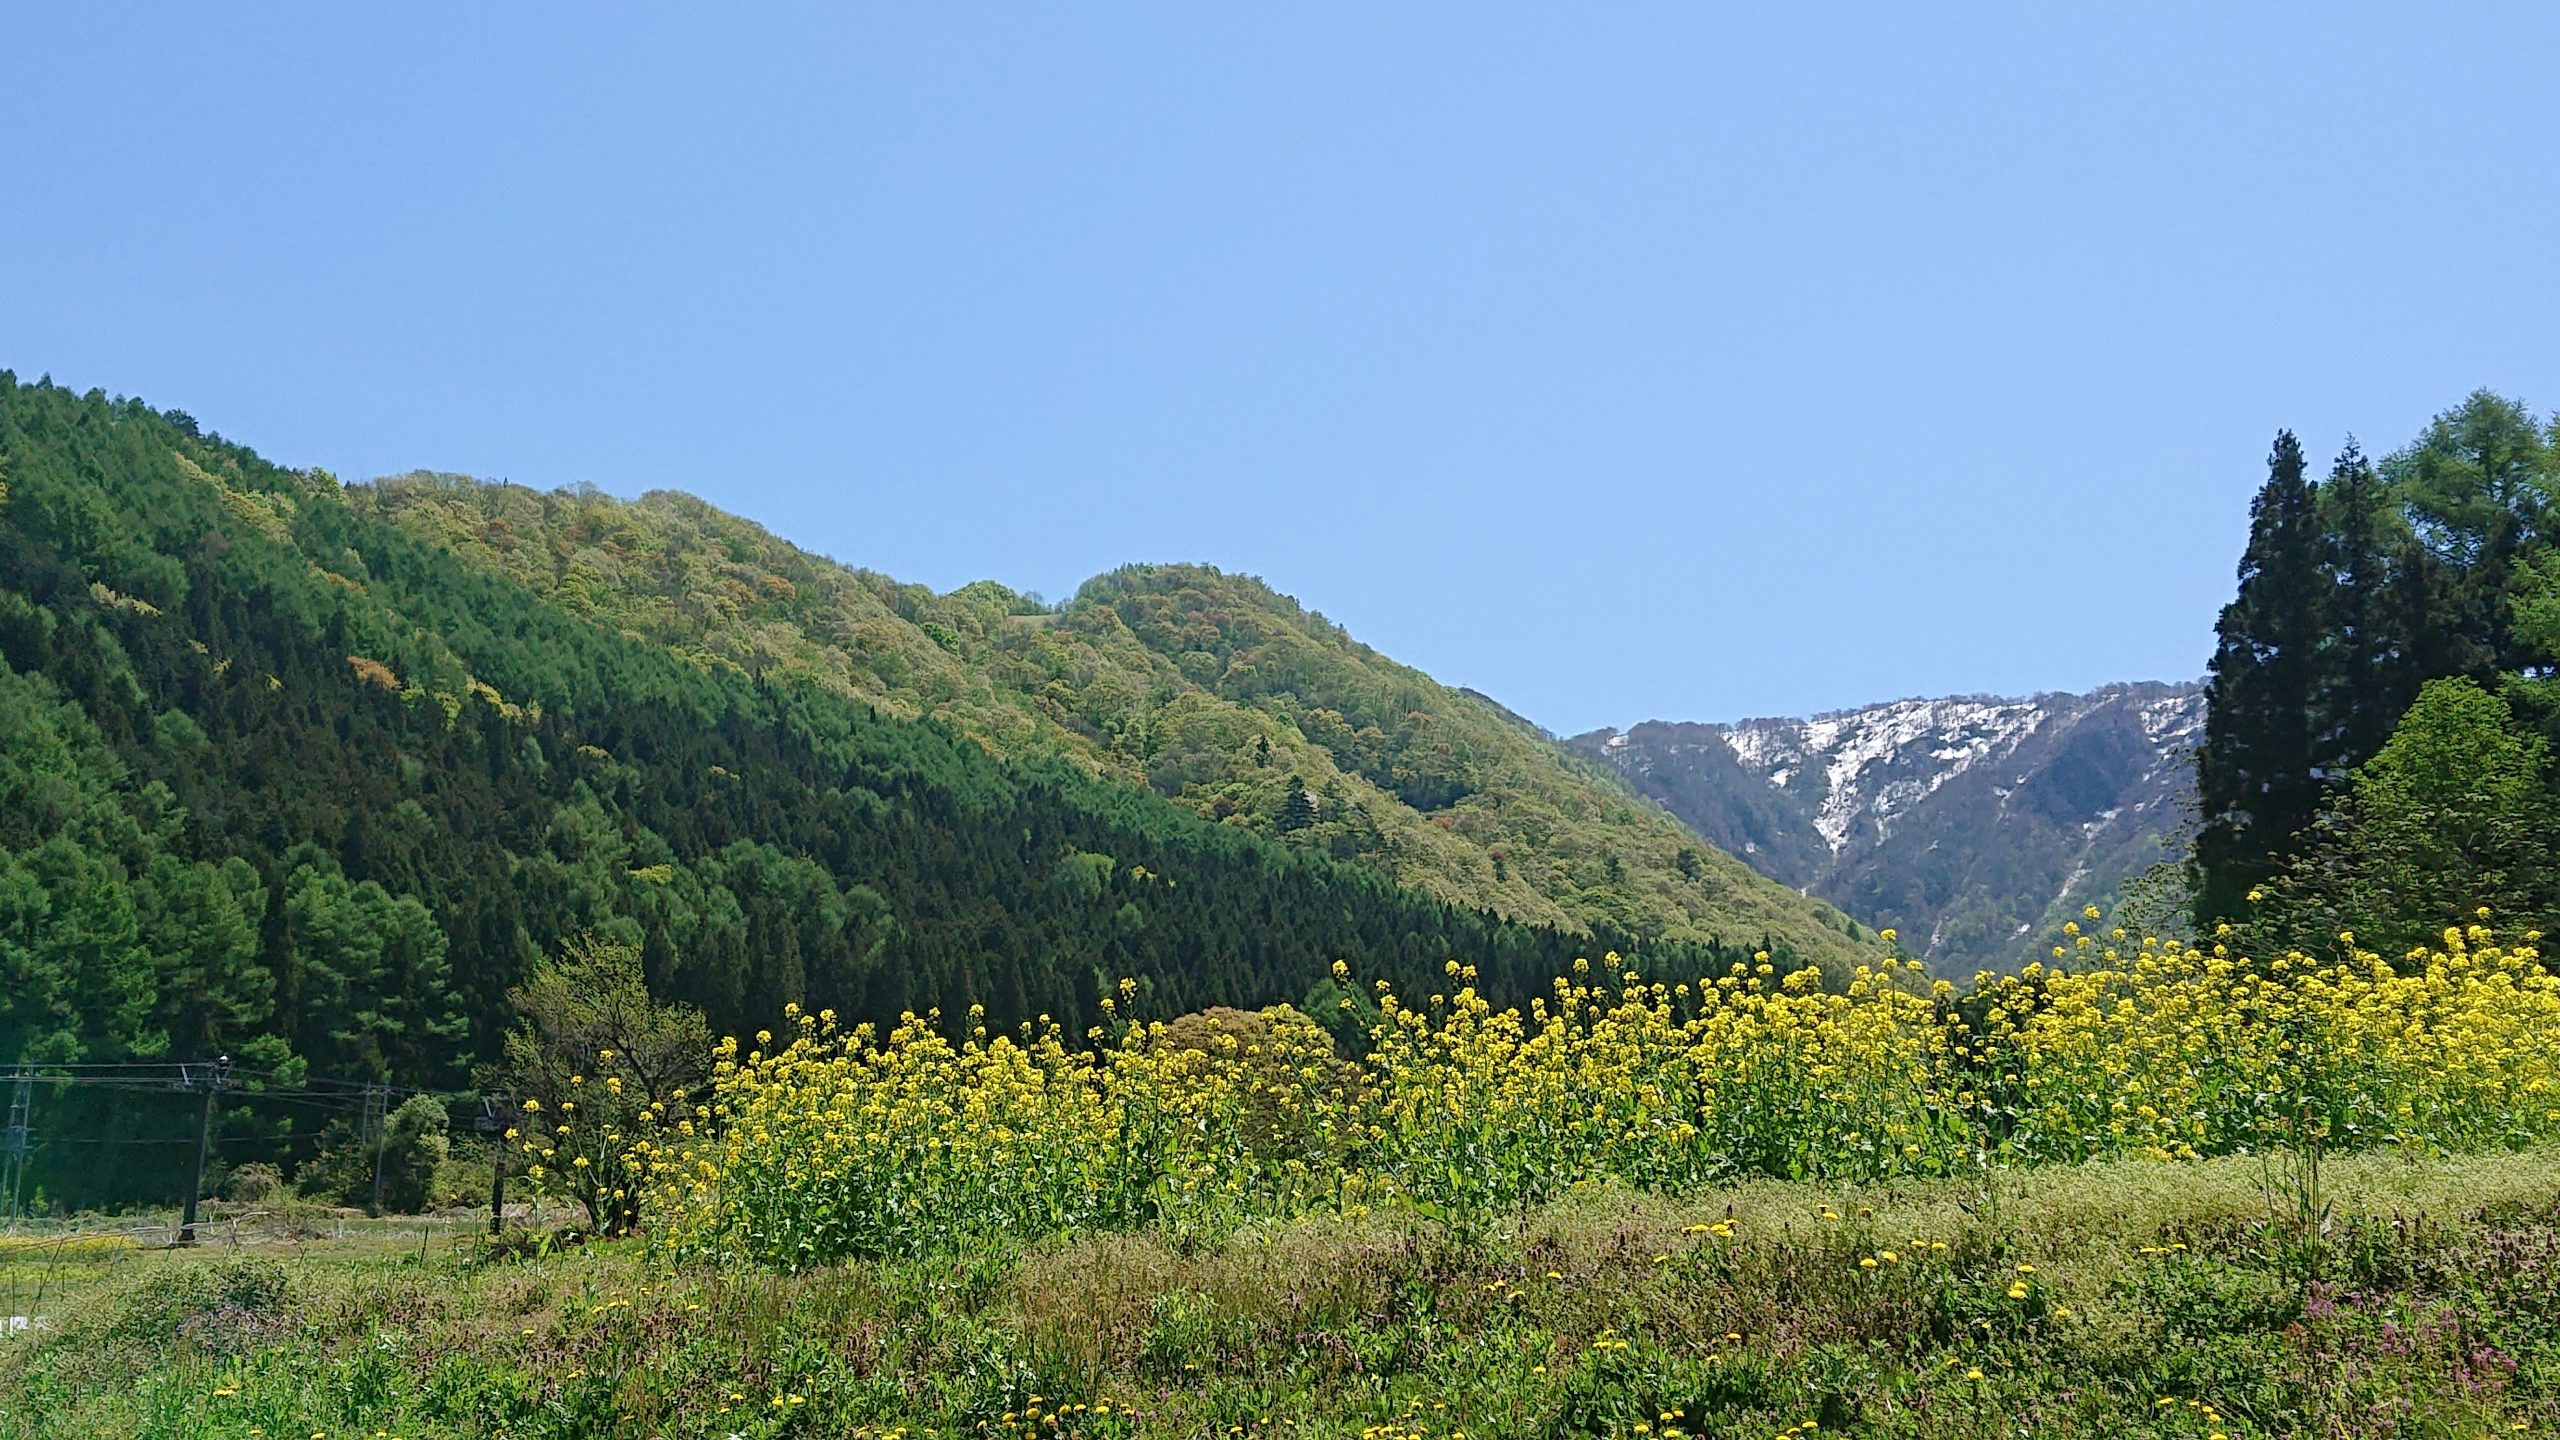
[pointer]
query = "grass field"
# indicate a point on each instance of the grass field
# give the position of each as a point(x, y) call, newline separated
point(2236, 1297)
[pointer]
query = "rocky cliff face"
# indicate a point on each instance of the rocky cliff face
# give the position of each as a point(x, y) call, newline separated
point(1975, 825)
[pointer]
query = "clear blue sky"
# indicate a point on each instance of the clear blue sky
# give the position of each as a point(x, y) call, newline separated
point(1619, 361)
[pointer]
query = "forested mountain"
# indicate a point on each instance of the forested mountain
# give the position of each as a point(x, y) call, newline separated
point(1208, 689)
point(1972, 825)
point(2382, 705)
point(285, 780)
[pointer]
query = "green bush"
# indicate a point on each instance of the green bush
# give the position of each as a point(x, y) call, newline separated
point(411, 1147)
point(253, 1183)
point(414, 1146)
point(229, 1306)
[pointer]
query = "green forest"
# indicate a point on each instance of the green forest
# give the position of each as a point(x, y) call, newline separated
point(2383, 701)
point(289, 774)
point(1205, 688)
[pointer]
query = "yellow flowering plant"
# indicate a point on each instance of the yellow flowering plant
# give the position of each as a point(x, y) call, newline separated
point(831, 1143)
point(606, 1078)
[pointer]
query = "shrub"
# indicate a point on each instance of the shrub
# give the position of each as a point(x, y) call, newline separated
point(253, 1184)
point(613, 1066)
point(414, 1146)
point(230, 1306)
point(408, 1152)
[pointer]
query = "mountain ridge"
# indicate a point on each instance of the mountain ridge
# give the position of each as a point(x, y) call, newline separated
point(1208, 688)
point(1897, 811)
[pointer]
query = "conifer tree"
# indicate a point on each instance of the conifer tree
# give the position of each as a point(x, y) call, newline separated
point(2257, 776)
point(2369, 673)
point(1298, 811)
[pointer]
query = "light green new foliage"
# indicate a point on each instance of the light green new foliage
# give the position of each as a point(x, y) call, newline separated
point(2453, 809)
point(1208, 688)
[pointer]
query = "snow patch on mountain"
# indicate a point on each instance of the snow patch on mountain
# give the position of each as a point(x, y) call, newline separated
point(1766, 745)
point(1877, 762)
point(1974, 820)
point(2176, 718)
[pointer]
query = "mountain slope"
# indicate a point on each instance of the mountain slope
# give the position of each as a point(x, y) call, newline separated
point(1208, 689)
point(282, 781)
point(1971, 824)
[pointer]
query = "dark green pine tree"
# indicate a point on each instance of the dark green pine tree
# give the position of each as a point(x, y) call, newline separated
point(2258, 780)
point(1298, 811)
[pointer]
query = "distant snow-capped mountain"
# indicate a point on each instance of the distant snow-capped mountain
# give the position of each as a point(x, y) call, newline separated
point(1974, 824)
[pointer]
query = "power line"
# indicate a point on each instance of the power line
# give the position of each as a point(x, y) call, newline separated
point(367, 1101)
point(155, 1079)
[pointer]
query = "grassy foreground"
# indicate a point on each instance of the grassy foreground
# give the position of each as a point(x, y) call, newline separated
point(2234, 1297)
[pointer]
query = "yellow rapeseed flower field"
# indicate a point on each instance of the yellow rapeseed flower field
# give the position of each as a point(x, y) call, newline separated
point(829, 1142)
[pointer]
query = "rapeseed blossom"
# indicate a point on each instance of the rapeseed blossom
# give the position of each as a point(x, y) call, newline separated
point(835, 1143)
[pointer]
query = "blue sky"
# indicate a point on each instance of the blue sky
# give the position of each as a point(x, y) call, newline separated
point(1619, 361)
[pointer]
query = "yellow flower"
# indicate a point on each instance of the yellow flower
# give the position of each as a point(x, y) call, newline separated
point(1641, 1085)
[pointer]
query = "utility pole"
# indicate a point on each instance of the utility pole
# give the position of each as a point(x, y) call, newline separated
point(13, 1144)
point(488, 1124)
point(374, 1127)
point(211, 1082)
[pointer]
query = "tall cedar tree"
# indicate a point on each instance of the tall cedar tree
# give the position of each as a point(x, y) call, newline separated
point(2258, 778)
point(2426, 567)
point(2379, 605)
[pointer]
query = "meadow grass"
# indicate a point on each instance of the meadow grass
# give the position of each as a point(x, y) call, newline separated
point(2407, 1296)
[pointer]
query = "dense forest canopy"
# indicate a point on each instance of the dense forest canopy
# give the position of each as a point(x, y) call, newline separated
point(285, 781)
point(1207, 688)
